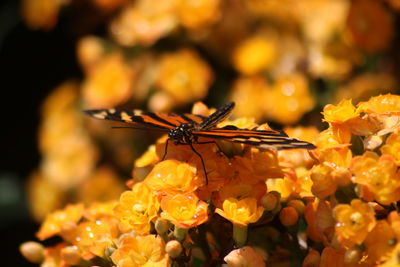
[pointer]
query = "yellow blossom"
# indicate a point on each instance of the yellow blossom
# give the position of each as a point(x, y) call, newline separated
point(197, 14)
point(380, 242)
point(172, 176)
point(241, 211)
point(57, 221)
point(379, 175)
point(255, 54)
point(136, 250)
point(320, 221)
point(184, 210)
point(109, 83)
point(392, 146)
point(353, 222)
point(136, 208)
point(184, 75)
point(144, 22)
point(340, 113)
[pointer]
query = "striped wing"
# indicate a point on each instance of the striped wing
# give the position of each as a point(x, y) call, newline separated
point(262, 139)
point(142, 119)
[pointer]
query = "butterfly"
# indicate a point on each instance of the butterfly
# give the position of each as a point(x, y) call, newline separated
point(186, 129)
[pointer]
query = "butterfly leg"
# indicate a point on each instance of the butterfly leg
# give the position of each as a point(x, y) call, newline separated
point(202, 161)
point(165, 150)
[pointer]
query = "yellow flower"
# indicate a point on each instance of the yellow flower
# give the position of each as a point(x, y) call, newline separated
point(136, 250)
point(184, 75)
point(353, 222)
point(379, 175)
point(340, 113)
point(241, 211)
point(109, 83)
point(392, 146)
point(290, 99)
point(246, 256)
point(380, 242)
point(197, 14)
point(40, 14)
point(144, 22)
point(370, 25)
point(136, 208)
point(255, 54)
point(172, 176)
point(249, 94)
point(324, 183)
point(393, 259)
point(382, 104)
point(334, 137)
point(184, 210)
point(57, 221)
point(320, 222)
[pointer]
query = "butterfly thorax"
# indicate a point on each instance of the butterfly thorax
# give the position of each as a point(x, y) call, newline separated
point(182, 134)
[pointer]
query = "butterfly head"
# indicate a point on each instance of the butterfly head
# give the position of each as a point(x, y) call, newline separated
point(182, 134)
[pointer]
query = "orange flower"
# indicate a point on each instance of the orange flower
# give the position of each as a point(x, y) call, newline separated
point(379, 175)
point(246, 256)
point(197, 14)
point(136, 208)
point(340, 113)
point(59, 220)
point(392, 146)
point(241, 211)
point(370, 25)
point(331, 257)
point(318, 215)
point(382, 104)
point(353, 222)
point(144, 22)
point(393, 259)
point(109, 83)
point(249, 94)
point(290, 99)
point(380, 242)
point(184, 210)
point(334, 137)
point(255, 54)
point(109, 5)
point(324, 183)
point(184, 75)
point(172, 176)
point(136, 250)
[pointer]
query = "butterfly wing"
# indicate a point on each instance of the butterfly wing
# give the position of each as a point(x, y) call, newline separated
point(275, 140)
point(219, 115)
point(162, 121)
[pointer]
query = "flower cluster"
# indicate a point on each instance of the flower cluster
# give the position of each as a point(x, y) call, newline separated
point(173, 216)
point(283, 61)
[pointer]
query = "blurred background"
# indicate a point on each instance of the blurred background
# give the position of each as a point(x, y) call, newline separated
point(280, 61)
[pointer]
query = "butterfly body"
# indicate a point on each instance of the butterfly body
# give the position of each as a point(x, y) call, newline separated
point(186, 129)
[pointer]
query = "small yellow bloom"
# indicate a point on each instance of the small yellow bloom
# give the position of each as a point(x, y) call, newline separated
point(255, 54)
point(109, 83)
point(197, 14)
point(393, 258)
point(353, 222)
point(392, 146)
point(241, 211)
point(380, 242)
point(172, 176)
point(184, 75)
point(318, 215)
point(340, 113)
point(144, 22)
point(379, 175)
point(56, 221)
point(184, 210)
point(137, 208)
point(136, 250)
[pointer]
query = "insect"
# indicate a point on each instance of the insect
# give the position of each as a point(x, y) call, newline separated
point(185, 129)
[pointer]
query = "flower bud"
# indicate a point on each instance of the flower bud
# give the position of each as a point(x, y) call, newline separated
point(352, 255)
point(312, 259)
point(269, 201)
point(32, 251)
point(70, 255)
point(298, 205)
point(180, 233)
point(288, 216)
point(173, 249)
point(161, 226)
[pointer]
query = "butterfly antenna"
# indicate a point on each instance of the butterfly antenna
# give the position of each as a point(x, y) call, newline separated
point(202, 161)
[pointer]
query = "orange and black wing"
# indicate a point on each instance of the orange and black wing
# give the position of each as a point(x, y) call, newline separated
point(275, 140)
point(142, 119)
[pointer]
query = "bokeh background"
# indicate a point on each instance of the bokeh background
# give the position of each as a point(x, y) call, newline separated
point(280, 61)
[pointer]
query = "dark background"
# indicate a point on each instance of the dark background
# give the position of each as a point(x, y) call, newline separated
point(31, 64)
